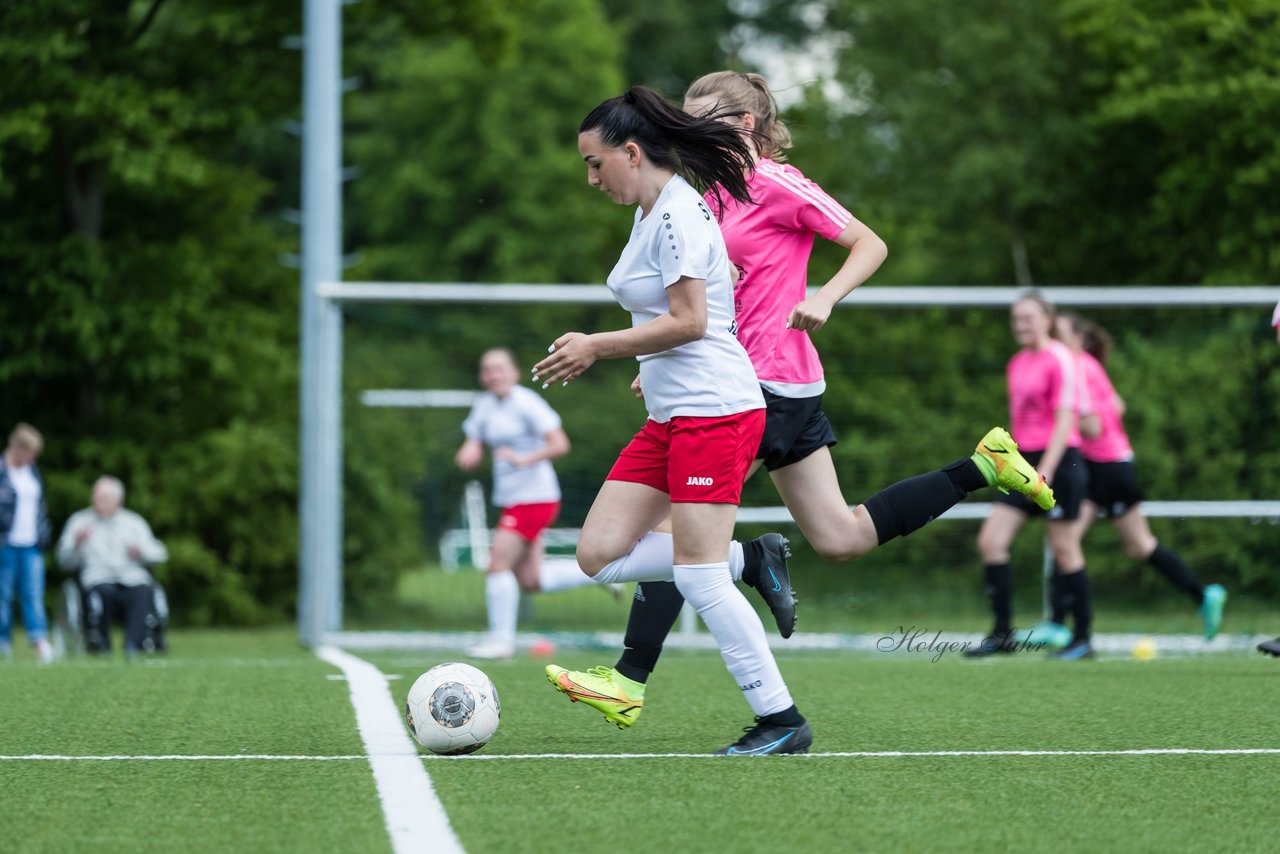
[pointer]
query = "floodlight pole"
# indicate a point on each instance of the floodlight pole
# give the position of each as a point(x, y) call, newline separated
point(320, 470)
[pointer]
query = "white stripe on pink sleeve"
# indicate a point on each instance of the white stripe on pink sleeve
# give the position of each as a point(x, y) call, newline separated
point(806, 190)
point(1066, 362)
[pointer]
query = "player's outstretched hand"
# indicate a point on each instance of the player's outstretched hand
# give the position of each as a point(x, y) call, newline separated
point(571, 354)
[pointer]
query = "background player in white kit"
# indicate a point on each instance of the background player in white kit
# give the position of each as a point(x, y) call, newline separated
point(524, 435)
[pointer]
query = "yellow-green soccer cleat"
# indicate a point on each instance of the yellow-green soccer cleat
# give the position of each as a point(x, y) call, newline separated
point(603, 689)
point(1012, 469)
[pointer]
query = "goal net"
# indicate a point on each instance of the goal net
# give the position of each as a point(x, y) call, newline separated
point(915, 376)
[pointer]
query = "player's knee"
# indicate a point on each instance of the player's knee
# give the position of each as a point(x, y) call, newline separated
point(992, 548)
point(1140, 548)
point(591, 558)
point(841, 550)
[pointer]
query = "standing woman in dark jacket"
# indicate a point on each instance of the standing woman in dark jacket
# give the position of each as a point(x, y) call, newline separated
point(24, 533)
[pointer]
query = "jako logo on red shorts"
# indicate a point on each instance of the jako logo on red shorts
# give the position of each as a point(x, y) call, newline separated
point(700, 481)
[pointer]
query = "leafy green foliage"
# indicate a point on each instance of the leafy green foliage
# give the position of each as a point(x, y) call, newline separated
point(149, 331)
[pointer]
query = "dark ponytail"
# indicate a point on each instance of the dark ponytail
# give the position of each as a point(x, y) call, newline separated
point(1097, 341)
point(1094, 338)
point(706, 152)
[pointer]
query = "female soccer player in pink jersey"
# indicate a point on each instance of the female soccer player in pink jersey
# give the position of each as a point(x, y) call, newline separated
point(1043, 414)
point(524, 435)
point(769, 240)
point(1113, 489)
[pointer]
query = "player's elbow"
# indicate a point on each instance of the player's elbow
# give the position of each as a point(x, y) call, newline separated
point(877, 248)
point(693, 326)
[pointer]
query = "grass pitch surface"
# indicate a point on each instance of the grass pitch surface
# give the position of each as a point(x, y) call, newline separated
point(241, 694)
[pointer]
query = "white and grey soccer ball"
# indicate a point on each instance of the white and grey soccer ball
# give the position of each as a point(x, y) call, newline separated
point(452, 709)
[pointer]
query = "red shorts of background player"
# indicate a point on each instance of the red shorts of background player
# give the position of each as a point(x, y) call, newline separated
point(694, 460)
point(528, 520)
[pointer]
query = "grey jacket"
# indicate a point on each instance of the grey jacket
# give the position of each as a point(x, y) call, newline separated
point(104, 558)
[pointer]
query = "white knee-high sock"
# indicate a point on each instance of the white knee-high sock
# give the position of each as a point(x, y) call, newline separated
point(561, 574)
point(736, 628)
point(652, 558)
point(736, 561)
point(502, 595)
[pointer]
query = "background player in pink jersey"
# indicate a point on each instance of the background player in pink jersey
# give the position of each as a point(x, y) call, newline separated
point(524, 435)
point(1043, 413)
point(1113, 489)
point(769, 241)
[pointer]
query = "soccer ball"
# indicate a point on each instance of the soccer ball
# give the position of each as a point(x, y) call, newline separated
point(452, 709)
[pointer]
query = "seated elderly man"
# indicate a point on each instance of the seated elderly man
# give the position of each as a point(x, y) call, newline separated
point(111, 548)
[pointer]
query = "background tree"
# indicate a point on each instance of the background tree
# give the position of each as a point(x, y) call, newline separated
point(147, 327)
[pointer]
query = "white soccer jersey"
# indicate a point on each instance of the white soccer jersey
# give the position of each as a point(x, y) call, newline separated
point(709, 377)
point(26, 529)
point(518, 421)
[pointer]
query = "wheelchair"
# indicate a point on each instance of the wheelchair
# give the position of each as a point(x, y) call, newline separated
point(72, 633)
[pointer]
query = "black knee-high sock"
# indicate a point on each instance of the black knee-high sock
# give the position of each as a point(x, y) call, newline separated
point(910, 504)
point(1060, 600)
point(1081, 593)
point(998, 578)
point(654, 610)
point(1168, 563)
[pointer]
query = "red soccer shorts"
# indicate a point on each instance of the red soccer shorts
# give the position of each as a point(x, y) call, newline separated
point(693, 459)
point(529, 520)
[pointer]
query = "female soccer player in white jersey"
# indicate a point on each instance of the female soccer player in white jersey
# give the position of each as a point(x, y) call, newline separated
point(1113, 489)
point(1044, 415)
point(769, 240)
point(524, 435)
point(706, 413)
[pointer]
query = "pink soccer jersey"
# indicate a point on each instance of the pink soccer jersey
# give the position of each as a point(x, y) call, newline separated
point(769, 242)
point(1275, 316)
point(1040, 383)
point(1113, 445)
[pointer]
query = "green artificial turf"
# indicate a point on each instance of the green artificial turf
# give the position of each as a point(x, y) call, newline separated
point(236, 693)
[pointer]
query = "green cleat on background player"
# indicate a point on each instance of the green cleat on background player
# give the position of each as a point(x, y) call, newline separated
point(602, 688)
point(997, 449)
point(1215, 597)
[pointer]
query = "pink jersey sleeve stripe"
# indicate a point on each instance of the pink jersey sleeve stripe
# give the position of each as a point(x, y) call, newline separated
point(1069, 392)
point(829, 207)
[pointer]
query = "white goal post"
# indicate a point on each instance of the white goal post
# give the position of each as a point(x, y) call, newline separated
point(320, 587)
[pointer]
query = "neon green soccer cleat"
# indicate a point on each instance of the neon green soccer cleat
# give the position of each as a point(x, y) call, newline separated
point(602, 688)
point(1012, 469)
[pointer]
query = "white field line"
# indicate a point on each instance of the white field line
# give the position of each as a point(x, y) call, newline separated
point(882, 754)
point(865, 754)
point(415, 818)
point(180, 757)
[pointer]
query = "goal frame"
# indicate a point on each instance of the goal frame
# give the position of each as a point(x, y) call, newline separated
point(320, 567)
